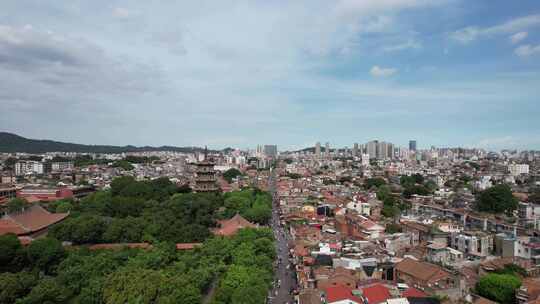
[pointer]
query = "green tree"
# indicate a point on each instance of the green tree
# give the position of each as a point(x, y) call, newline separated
point(393, 228)
point(431, 186)
point(239, 281)
point(125, 165)
point(409, 191)
point(128, 230)
point(85, 229)
point(119, 183)
point(407, 181)
point(383, 193)
point(45, 254)
point(498, 287)
point(10, 162)
point(135, 285)
point(10, 248)
point(16, 205)
point(294, 175)
point(47, 291)
point(374, 182)
point(534, 196)
point(63, 206)
point(230, 174)
point(15, 285)
point(497, 199)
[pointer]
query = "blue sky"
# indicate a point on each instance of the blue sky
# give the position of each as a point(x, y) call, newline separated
point(241, 73)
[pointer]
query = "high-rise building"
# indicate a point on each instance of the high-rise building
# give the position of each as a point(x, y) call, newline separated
point(318, 150)
point(372, 148)
point(382, 150)
point(390, 151)
point(270, 150)
point(412, 145)
point(355, 149)
point(327, 149)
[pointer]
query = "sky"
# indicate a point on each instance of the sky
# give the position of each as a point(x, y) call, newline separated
point(241, 73)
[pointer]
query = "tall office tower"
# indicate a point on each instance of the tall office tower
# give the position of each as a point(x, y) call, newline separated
point(382, 150)
point(390, 151)
point(318, 150)
point(327, 149)
point(412, 145)
point(270, 150)
point(355, 149)
point(371, 149)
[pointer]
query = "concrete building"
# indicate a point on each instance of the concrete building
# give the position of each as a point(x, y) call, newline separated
point(318, 150)
point(270, 150)
point(29, 167)
point(518, 169)
point(412, 145)
point(7, 192)
point(365, 160)
point(472, 243)
point(372, 148)
point(62, 166)
point(327, 149)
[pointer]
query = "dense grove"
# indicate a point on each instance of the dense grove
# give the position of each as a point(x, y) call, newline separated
point(46, 272)
point(133, 211)
point(231, 270)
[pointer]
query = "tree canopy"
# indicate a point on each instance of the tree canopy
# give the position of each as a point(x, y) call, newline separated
point(374, 182)
point(497, 199)
point(498, 287)
point(153, 212)
point(231, 174)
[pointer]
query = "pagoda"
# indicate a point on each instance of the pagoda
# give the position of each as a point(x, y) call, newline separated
point(205, 178)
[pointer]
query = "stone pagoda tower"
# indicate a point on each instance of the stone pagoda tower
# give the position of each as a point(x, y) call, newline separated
point(205, 178)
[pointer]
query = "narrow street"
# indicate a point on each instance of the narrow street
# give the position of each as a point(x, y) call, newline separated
point(284, 282)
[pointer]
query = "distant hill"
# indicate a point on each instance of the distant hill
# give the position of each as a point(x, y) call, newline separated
point(11, 143)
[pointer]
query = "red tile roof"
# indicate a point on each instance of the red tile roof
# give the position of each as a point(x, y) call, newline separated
point(30, 220)
point(421, 271)
point(339, 293)
point(231, 226)
point(377, 293)
point(7, 225)
point(187, 246)
point(413, 293)
point(36, 218)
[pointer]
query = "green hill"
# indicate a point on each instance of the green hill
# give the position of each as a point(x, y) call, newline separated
point(11, 143)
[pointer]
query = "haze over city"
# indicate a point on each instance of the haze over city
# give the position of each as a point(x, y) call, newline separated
point(241, 73)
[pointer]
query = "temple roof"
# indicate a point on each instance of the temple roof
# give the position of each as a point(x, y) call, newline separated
point(30, 220)
point(231, 226)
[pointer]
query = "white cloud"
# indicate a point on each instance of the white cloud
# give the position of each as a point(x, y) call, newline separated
point(465, 35)
point(122, 12)
point(409, 44)
point(517, 141)
point(527, 50)
point(348, 7)
point(517, 37)
point(471, 33)
point(377, 71)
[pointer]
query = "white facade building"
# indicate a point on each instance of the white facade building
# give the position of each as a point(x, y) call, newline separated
point(518, 169)
point(28, 167)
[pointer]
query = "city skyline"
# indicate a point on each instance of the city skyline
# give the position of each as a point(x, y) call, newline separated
point(246, 73)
